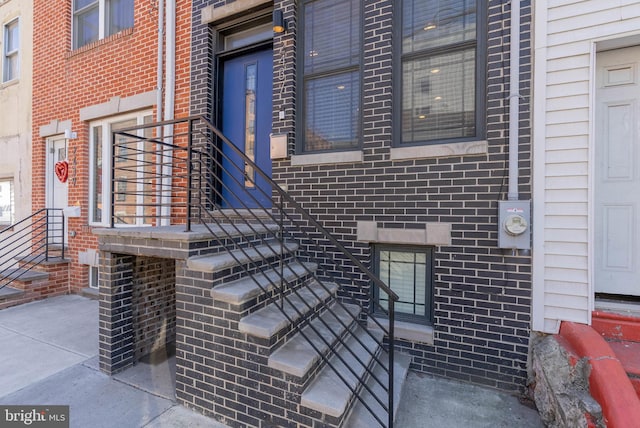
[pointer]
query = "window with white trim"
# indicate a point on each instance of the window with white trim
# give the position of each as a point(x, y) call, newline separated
point(132, 204)
point(11, 51)
point(94, 277)
point(408, 271)
point(97, 19)
point(7, 207)
point(441, 71)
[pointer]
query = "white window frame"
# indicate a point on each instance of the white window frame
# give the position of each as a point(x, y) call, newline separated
point(94, 281)
point(103, 16)
point(7, 54)
point(105, 125)
point(12, 202)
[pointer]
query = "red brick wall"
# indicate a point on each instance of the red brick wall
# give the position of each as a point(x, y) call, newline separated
point(66, 80)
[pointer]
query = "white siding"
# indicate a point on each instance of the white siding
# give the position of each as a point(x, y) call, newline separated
point(566, 31)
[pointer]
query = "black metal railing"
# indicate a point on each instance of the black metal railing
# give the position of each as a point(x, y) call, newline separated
point(188, 173)
point(30, 242)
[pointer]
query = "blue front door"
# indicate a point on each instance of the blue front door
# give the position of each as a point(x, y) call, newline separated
point(246, 122)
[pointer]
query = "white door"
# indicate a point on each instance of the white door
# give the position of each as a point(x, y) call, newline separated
point(617, 175)
point(57, 191)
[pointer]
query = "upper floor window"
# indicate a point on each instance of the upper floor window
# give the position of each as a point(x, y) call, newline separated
point(96, 19)
point(331, 75)
point(11, 60)
point(442, 82)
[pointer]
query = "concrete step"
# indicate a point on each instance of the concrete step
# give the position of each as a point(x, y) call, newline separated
point(268, 321)
point(297, 356)
point(628, 353)
point(245, 289)
point(218, 262)
point(10, 296)
point(259, 215)
point(54, 257)
point(23, 275)
point(8, 293)
point(360, 416)
point(328, 393)
point(614, 326)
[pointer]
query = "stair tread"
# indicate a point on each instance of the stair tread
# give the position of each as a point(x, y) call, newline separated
point(41, 259)
point(328, 394)
point(628, 353)
point(221, 261)
point(8, 292)
point(297, 355)
point(617, 327)
point(245, 289)
point(20, 274)
point(360, 416)
point(269, 320)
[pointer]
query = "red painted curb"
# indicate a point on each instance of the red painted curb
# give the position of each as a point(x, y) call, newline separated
point(608, 382)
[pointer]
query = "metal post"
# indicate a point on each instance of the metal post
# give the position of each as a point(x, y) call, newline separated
point(46, 234)
point(63, 234)
point(113, 181)
point(391, 350)
point(189, 173)
point(282, 249)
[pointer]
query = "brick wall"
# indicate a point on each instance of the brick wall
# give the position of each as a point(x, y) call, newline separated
point(66, 80)
point(482, 294)
point(153, 300)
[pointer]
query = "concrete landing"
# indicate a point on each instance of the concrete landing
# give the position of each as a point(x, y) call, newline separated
point(431, 402)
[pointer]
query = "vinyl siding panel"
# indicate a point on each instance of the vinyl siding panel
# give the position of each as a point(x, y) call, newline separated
point(564, 142)
point(568, 116)
point(570, 27)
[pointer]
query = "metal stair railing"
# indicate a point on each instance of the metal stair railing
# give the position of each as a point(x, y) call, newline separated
point(200, 155)
point(31, 241)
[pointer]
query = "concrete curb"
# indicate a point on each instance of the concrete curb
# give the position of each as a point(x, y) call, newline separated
point(608, 382)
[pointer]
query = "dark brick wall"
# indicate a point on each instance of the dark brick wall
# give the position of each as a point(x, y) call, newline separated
point(154, 308)
point(482, 294)
point(116, 321)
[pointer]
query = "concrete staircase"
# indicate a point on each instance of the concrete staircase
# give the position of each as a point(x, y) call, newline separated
point(310, 346)
point(622, 332)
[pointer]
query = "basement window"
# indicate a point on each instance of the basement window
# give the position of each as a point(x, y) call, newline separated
point(93, 277)
point(408, 271)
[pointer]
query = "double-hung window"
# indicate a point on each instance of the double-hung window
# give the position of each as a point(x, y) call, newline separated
point(331, 52)
point(134, 191)
point(441, 71)
point(11, 51)
point(96, 19)
point(408, 271)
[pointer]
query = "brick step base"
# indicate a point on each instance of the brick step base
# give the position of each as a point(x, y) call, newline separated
point(31, 282)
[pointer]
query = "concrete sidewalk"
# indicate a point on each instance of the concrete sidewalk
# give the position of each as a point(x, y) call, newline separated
point(49, 356)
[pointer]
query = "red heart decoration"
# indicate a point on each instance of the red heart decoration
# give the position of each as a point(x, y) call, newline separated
point(62, 171)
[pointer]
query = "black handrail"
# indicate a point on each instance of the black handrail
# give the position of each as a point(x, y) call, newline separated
point(31, 242)
point(199, 167)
